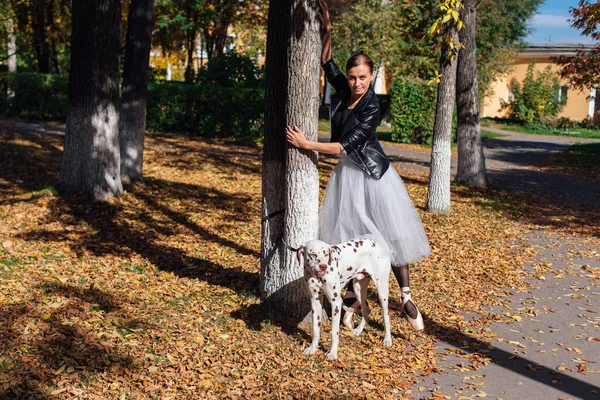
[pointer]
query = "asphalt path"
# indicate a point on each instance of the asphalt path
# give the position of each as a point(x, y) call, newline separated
point(552, 349)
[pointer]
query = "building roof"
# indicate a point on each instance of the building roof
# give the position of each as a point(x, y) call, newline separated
point(550, 49)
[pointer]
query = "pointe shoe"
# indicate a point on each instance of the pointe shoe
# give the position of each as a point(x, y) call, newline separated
point(417, 323)
point(348, 321)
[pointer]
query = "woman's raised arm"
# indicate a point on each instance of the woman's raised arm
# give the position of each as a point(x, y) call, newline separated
point(324, 17)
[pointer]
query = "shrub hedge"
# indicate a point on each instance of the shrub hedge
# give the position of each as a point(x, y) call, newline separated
point(412, 110)
point(205, 109)
point(36, 96)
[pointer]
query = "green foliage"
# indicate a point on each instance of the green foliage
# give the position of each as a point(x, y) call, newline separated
point(42, 32)
point(201, 109)
point(394, 33)
point(413, 111)
point(205, 109)
point(582, 69)
point(36, 96)
point(232, 70)
point(537, 99)
point(501, 25)
point(227, 100)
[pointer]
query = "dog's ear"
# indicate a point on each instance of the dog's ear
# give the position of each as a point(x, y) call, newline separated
point(300, 255)
point(329, 262)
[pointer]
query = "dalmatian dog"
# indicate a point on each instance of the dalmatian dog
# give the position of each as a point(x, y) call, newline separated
point(328, 269)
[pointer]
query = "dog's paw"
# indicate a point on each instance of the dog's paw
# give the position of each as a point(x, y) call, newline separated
point(357, 331)
point(387, 341)
point(332, 355)
point(310, 350)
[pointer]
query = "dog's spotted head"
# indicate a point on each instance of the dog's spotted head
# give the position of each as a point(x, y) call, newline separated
point(315, 256)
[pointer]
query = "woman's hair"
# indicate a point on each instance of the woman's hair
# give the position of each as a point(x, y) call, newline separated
point(359, 59)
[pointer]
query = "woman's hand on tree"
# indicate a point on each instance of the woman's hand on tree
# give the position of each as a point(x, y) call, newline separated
point(296, 137)
point(324, 16)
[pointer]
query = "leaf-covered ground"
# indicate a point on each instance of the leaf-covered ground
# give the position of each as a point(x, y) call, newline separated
point(155, 294)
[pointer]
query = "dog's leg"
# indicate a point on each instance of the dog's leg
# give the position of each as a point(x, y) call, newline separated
point(383, 291)
point(317, 316)
point(360, 287)
point(381, 280)
point(335, 298)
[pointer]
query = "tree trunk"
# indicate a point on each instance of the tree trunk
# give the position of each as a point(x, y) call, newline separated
point(90, 161)
point(290, 176)
point(52, 46)
point(438, 196)
point(12, 44)
point(471, 160)
point(12, 54)
point(132, 119)
point(189, 74)
point(40, 42)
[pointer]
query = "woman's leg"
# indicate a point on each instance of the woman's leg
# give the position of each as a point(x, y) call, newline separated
point(350, 306)
point(410, 308)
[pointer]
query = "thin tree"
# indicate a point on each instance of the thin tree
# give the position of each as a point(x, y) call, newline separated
point(438, 195)
point(12, 43)
point(290, 176)
point(471, 160)
point(132, 119)
point(90, 162)
point(12, 49)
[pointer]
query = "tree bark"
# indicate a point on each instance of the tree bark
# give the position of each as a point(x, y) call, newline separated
point(132, 119)
point(471, 160)
point(12, 44)
point(52, 46)
point(90, 162)
point(12, 54)
point(40, 37)
point(290, 176)
point(438, 196)
point(189, 75)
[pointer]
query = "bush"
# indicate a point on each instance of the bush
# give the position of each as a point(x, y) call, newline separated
point(591, 123)
point(226, 101)
point(205, 110)
point(413, 111)
point(36, 96)
point(537, 99)
point(232, 70)
point(412, 108)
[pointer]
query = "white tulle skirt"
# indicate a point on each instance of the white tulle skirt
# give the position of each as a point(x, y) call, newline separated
point(358, 206)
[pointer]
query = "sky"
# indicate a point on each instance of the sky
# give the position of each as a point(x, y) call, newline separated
point(550, 24)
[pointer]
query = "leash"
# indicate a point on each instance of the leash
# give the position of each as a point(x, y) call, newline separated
point(287, 246)
point(280, 240)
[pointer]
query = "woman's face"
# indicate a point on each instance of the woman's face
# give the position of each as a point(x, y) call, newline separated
point(359, 79)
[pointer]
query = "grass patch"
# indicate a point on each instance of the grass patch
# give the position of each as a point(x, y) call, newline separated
point(581, 155)
point(490, 135)
point(582, 160)
point(513, 127)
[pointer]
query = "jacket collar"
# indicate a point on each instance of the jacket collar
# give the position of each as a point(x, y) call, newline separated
point(342, 97)
point(351, 121)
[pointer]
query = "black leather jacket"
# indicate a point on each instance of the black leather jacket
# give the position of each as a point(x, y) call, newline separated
point(357, 133)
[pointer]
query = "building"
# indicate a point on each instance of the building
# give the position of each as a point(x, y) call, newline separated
point(580, 105)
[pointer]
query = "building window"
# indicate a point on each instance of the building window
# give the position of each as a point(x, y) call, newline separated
point(562, 94)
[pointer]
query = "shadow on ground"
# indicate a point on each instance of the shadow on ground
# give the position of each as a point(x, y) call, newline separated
point(511, 361)
point(60, 345)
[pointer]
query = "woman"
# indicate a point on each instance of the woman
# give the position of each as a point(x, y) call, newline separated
point(364, 197)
